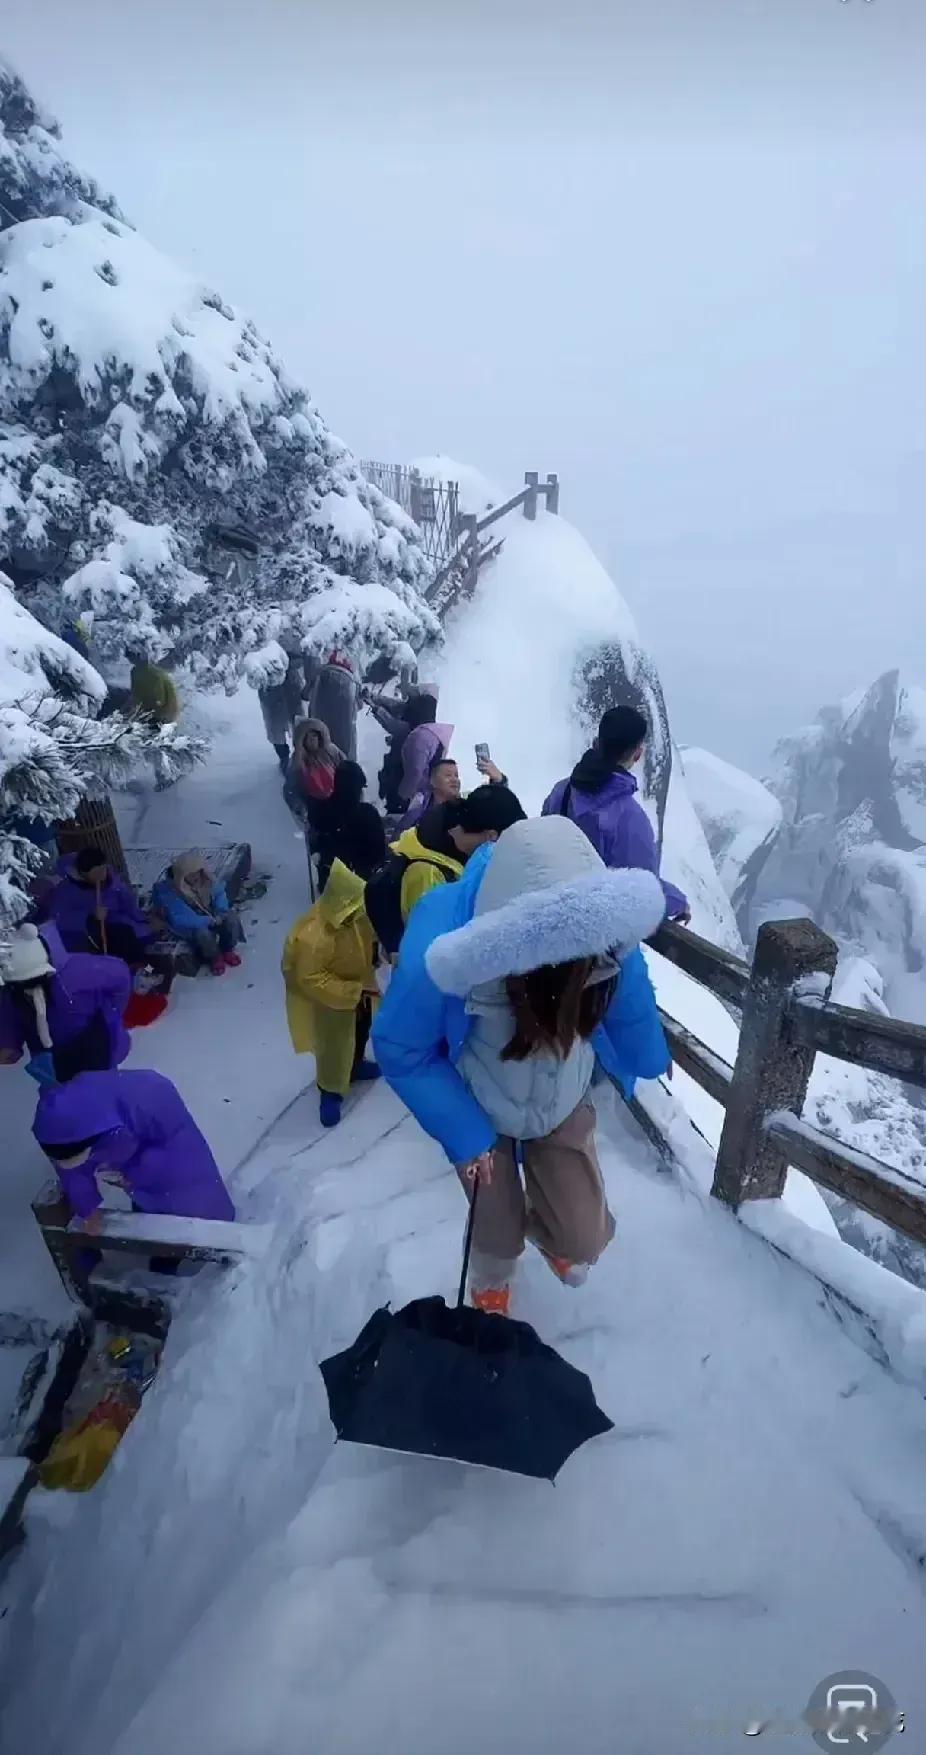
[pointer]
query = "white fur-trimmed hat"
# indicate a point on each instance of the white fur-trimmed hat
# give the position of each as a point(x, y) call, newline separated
point(546, 897)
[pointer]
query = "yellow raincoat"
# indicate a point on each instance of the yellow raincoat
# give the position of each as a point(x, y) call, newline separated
point(425, 872)
point(327, 967)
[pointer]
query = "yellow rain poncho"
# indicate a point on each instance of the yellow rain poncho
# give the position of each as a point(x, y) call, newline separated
point(327, 967)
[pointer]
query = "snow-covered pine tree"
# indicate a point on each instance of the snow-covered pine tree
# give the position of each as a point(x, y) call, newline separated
point(54, 751)
point(138, 413)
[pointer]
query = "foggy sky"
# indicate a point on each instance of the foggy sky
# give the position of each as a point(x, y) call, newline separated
point(673, 249)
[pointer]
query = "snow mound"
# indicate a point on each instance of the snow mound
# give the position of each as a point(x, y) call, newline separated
point(739, 816)
point(545, 619)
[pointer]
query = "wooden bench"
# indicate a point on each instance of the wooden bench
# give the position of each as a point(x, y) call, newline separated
point(230, 864)
point(136, 1235)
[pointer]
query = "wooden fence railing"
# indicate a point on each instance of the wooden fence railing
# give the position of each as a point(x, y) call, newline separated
point(432, 504)
point(456, 580)
point(786, 1021)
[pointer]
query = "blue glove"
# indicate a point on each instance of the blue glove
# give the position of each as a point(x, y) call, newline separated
point(41, 1068)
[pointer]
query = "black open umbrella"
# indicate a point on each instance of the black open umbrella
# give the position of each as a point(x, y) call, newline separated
point(458, 1383)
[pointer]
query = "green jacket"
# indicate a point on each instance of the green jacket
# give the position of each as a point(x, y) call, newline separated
point(153, 693)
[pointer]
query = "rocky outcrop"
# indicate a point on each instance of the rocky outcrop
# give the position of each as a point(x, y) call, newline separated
point(852, 846)
point(741, 819)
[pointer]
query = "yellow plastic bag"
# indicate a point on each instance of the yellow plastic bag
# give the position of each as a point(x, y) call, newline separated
point(80, 1455)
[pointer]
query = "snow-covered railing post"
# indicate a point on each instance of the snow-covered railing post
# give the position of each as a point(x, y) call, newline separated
point(53, 1214)
point(532, 483)
point(772, 1071)
point(551, 489)
point(469, 527)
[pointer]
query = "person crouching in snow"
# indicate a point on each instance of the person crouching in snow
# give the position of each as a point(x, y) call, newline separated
point(135, 1126)
point(196, 908)
point(511, 984)
point(330, 986)
point(63, 1009)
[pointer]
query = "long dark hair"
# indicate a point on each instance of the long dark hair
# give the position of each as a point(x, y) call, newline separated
point(554, 1007)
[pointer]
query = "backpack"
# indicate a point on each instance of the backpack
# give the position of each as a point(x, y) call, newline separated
point(383, 898)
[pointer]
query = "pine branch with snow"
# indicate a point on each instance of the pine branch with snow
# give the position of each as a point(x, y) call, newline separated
point(54, 750)
point(140, 415)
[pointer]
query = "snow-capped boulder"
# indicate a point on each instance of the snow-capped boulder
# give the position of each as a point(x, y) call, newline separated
point(546, 644)
point(142, 419)
point(740, 817)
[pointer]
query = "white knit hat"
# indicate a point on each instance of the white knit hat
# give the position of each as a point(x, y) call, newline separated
point(26, 958)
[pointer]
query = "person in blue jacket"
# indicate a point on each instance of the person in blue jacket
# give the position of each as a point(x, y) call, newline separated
point(512, 985)
point(196, 908)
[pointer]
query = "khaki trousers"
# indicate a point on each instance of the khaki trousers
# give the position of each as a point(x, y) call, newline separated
point(561, 1206)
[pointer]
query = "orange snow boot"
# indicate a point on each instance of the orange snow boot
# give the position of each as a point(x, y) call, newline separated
point(493, 1300)
point(571, 1273)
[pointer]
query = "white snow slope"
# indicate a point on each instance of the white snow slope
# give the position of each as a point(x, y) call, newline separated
point(239, 1586)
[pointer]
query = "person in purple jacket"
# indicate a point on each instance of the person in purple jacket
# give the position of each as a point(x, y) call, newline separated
point(90, 903)
point(425, 744)
point(136, 1126)
point(599, 796)
point(64, 1009)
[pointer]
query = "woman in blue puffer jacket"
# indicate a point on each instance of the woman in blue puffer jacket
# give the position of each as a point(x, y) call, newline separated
point(512, 984)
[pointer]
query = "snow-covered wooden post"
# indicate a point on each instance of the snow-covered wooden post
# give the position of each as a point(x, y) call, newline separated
point(532, 483)
point(552, 493)
point(469, 526)
point(53, 1212)
point(771, 1072)
point(414, 495)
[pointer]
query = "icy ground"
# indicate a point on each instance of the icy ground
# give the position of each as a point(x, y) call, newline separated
point(237, 1583)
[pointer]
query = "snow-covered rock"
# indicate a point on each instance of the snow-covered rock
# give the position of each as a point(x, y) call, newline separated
point(875, 1114)
point(546, 644)
point(851, 849)
point(740, 818)
point(140, 417)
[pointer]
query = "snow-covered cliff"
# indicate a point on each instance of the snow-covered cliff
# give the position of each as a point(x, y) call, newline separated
point(546, 644)
point(851, 851)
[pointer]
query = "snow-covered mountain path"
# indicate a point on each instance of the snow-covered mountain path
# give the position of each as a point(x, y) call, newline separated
point(753, 1523)
point(238, 1584)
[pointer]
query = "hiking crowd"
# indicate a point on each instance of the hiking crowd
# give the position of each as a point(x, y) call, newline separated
point(492, 962)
